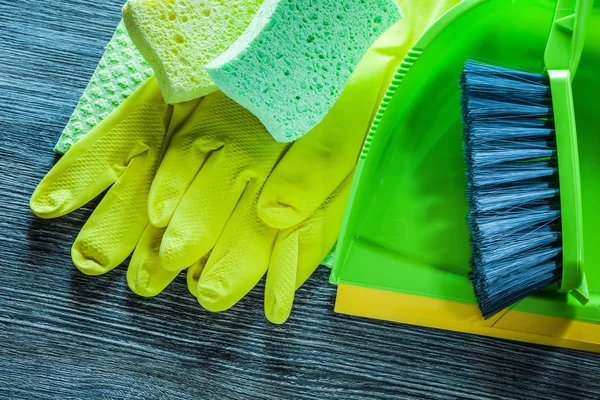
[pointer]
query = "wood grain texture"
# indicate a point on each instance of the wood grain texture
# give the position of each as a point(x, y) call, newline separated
point(67, 336)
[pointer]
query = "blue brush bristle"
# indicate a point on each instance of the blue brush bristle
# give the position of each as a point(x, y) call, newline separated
point(512, 184)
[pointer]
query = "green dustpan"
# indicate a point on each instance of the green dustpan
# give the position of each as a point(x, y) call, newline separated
point(405, 228)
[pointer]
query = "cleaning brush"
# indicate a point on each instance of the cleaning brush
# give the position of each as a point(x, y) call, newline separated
point(522, 166)
point(512, 184)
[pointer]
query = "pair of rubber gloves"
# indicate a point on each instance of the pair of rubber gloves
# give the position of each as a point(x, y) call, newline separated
point(202, 185)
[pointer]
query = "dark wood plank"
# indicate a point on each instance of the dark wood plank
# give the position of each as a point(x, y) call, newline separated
point(64, 335)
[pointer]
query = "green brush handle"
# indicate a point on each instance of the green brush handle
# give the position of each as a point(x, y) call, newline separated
point(565, 45)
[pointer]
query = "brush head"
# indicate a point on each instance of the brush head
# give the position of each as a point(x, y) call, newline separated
point(512, 184)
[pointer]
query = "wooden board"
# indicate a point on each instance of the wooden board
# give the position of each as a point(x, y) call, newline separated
point(67, 336)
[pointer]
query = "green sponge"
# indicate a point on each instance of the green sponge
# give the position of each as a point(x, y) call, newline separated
point(120, 72)
point(179, 37)
point(291, 64)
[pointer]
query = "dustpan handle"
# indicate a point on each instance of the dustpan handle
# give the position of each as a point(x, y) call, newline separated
point(563, 52)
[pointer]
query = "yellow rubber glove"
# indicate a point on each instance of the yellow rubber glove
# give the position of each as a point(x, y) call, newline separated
point(228, 244)
point(207, 188)
point(207, 191)
point(205, 197)
point(124, 151)
point(218, 160)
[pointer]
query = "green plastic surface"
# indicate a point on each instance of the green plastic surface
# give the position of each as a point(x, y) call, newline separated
point(405, 228)
point(562, 56)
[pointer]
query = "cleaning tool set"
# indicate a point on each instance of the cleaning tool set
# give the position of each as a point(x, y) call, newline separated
point(522, 157)
point(200, 167)
point(201, 185)
point(404, 250)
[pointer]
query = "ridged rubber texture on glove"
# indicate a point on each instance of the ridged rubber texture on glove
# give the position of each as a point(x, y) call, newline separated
point(144, 275)
point(179, 37)
point(123, 150)
point(121, 70)
point(210, 161)
point(240, 258)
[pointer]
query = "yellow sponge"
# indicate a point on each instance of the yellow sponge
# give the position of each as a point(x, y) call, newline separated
point(179, 37)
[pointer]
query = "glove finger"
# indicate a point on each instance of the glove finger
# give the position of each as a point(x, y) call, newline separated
point(187, 152)
point(194, 272)
point(298, 251)
point(101, 157)
point(115, 227)
point(202, 213)
point(320, 233)
point(280, 286)
point(317, 163)
point(248, 153)
point(239, 259)
point(145, 276)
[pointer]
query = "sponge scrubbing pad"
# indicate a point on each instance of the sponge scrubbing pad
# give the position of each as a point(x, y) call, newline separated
point(291, 64)
point(179, 37)
point(120, 72)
